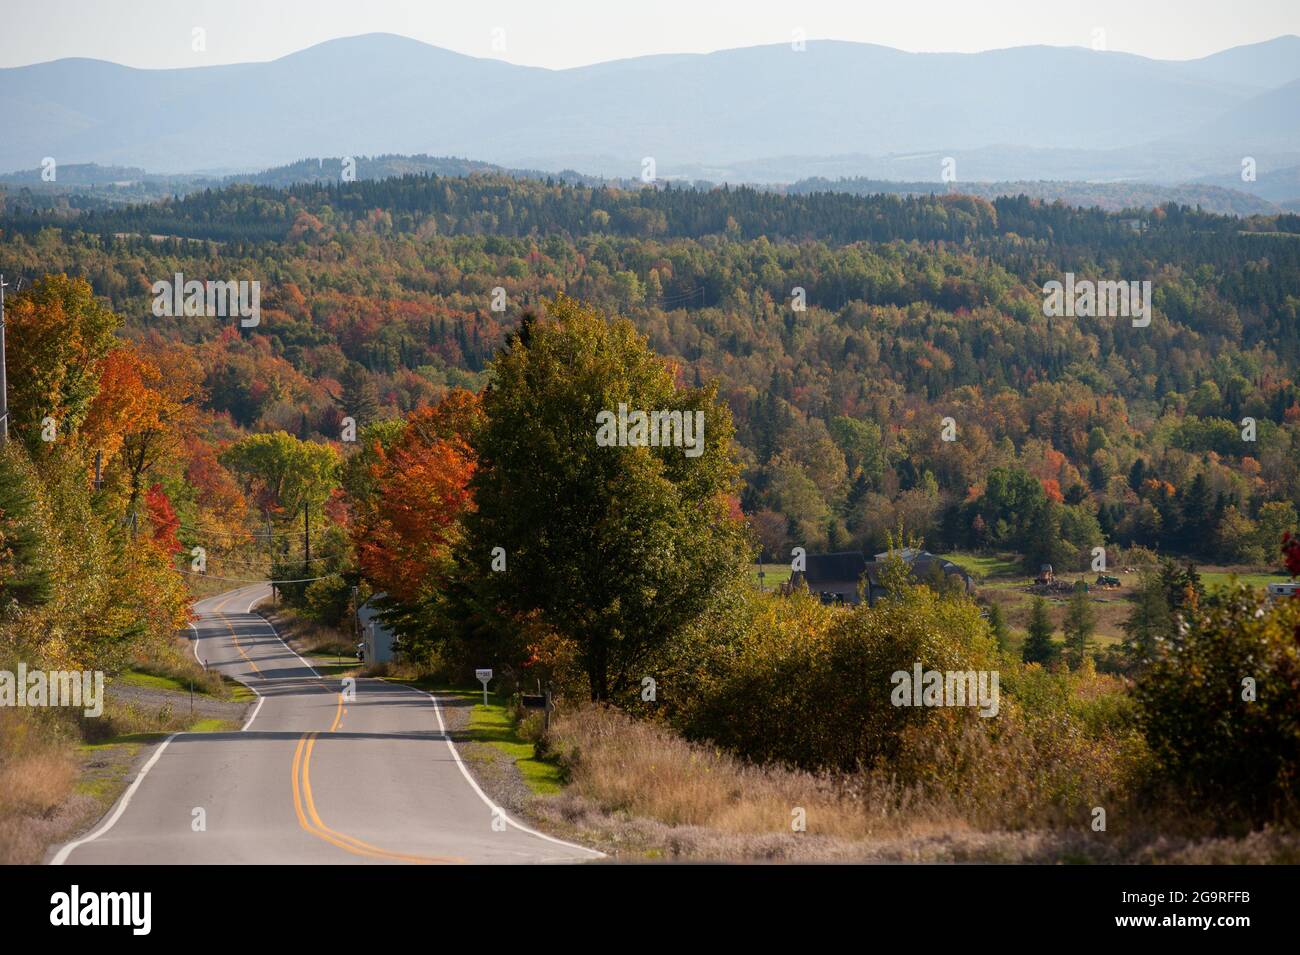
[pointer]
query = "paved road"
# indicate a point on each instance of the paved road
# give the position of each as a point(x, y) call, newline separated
point(313, 777)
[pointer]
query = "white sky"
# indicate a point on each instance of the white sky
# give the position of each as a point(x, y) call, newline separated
point(563, 33)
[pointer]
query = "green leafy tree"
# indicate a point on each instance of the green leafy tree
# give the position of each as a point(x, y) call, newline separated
point(287, 474)
point(1219, 707)
point(618, 547)
point(24, 574)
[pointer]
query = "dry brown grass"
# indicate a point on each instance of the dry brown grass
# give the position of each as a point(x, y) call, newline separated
point(38, 771)
point(308, 636)
point(639, 790)
point(35, 783)
point(643, 769)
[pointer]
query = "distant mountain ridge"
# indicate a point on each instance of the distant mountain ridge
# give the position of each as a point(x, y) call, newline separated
point(104, 187)
point(710, 116)
point(1110, 196)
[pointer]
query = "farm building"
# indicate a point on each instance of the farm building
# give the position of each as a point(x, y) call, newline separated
point(835, 578)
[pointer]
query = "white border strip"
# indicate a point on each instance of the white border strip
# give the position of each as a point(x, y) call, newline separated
point(258, 600)
point(437, 709)
point(111, 820)
point(197, 638)
point(257, 709)
point(62, 855)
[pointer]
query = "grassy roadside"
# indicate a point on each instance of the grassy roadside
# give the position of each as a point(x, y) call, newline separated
point(52, 791)
point(494, 727)
point(60, 771)
point(212, 685)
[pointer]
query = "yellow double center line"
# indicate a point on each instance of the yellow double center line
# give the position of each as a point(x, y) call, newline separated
point(233, 636)
point(305, 806)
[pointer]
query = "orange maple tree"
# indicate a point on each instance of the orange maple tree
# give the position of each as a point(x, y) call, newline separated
point(405, 531)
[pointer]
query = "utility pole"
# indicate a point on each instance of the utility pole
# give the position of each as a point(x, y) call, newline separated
point(306, 538)
point(4, 381)
point(270, 554)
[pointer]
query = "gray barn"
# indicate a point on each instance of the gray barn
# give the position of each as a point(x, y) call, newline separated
point(835, 578)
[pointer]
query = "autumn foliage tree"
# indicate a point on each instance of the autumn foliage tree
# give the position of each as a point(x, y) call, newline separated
point(162, 518)
point(87, 587)
point(404, 531)
point(57, 335)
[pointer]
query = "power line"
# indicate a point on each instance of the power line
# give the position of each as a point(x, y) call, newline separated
point(243, 580)
point(253, 535)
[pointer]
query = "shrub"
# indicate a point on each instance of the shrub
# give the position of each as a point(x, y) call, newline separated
point(328, 601)
point(813, 688)
point(1212, 743)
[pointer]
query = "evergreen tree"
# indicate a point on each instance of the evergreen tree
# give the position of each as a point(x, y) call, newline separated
point(360, 398)
point(998, 625)
point(1150, 619)
point(1181, 586)
point(1080, 622)
point(1038, 647)
point(1137, 474)
point(1198, 507)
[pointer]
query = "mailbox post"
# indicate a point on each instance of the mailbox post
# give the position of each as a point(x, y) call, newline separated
point(484, 677)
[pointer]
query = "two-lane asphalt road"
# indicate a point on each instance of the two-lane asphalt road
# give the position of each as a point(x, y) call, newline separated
point(315, 775)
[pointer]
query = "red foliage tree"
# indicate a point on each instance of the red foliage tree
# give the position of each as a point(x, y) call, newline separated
point(163, 518)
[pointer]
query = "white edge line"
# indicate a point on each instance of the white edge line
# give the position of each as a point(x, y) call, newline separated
point(257, 709)
point(442, 727)
point(437, 709)
point(62, 855)
point(197, 638)
point(258, 600)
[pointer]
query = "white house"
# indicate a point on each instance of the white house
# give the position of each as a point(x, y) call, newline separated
point(376, 638)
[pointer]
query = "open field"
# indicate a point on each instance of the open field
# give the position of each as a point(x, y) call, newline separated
point(1001, 579)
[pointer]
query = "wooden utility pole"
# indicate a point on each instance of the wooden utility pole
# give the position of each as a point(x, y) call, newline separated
point(270, 554)
point(306, 538)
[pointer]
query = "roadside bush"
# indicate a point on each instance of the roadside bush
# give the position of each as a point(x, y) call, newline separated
point(1213, 744)
point(813, 689)
point(329, 601)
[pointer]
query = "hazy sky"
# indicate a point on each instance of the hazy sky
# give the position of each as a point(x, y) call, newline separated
point(562, 33)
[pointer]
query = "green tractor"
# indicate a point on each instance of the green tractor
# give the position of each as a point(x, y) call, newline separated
point(1108, 582)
